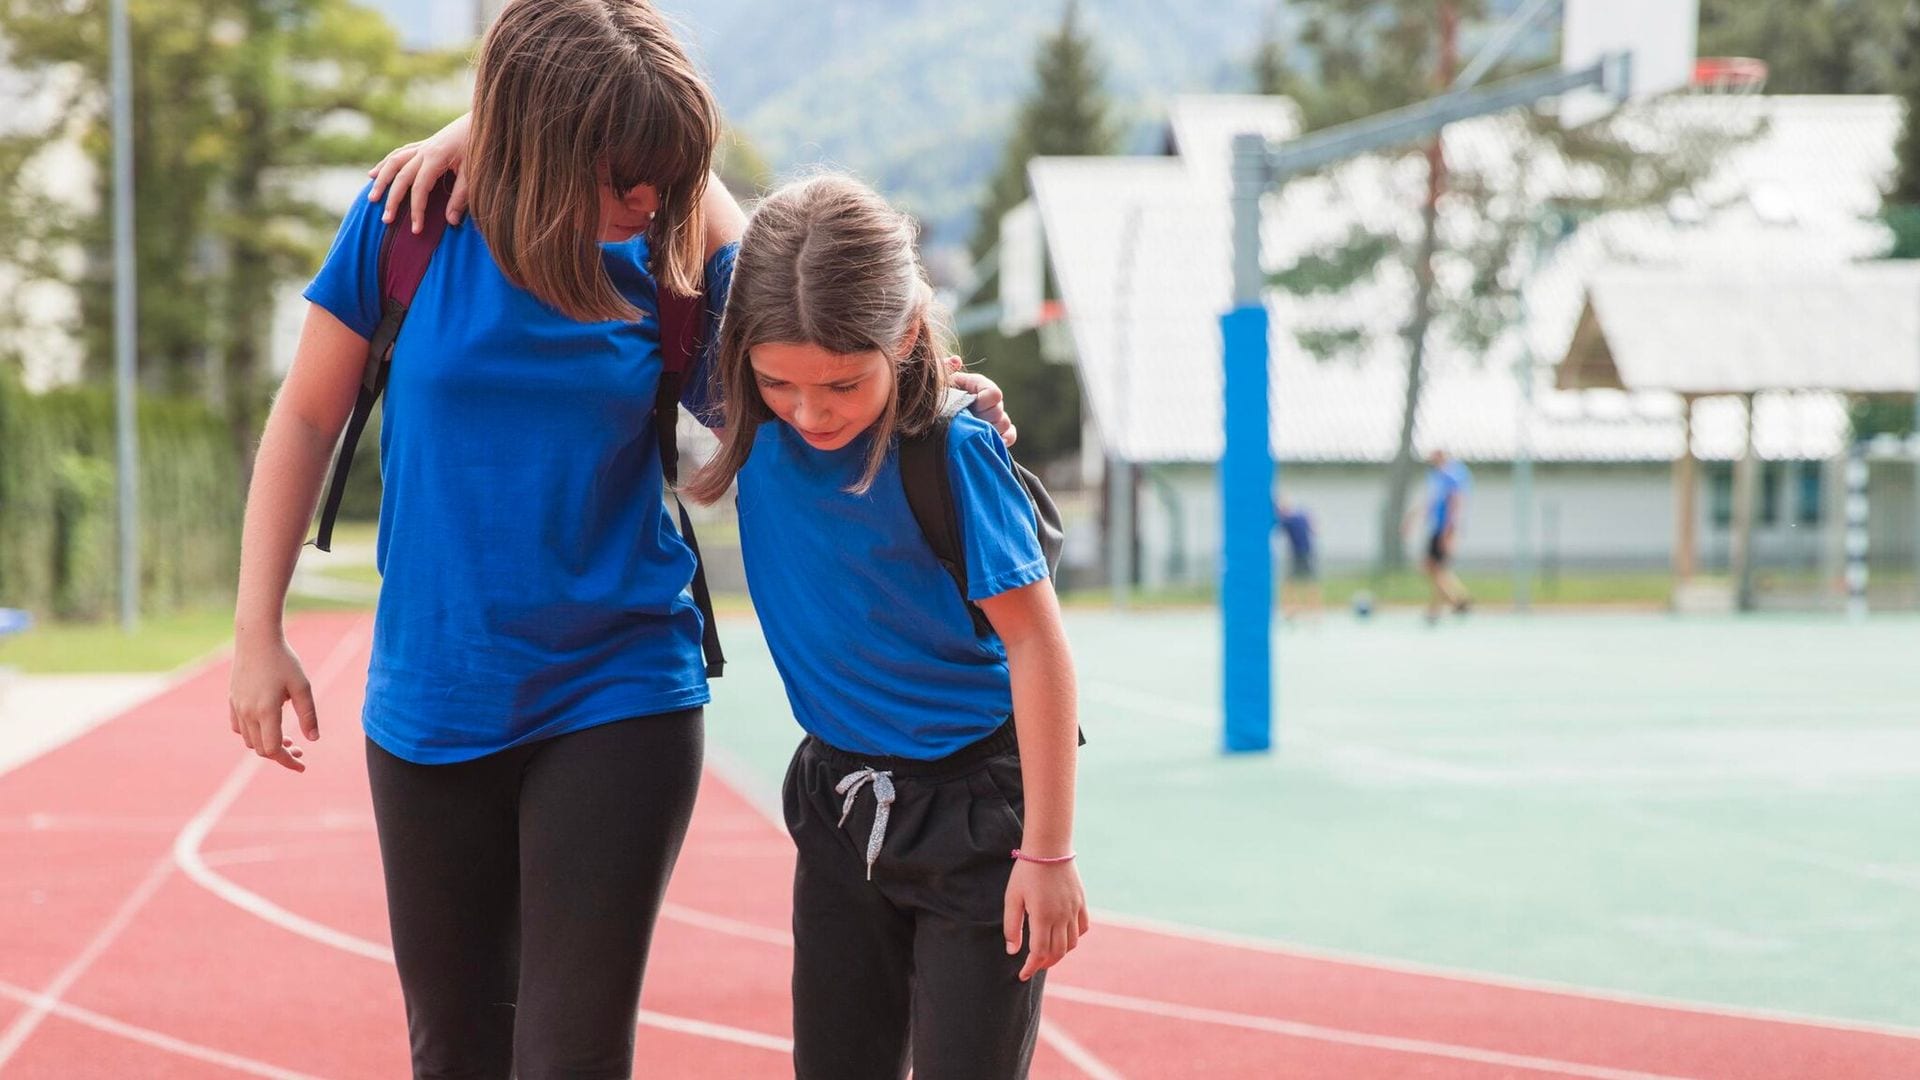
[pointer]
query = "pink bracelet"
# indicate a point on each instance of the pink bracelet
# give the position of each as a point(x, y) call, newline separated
point(1024, 857)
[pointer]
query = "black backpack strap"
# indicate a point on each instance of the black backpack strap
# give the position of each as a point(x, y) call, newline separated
point(681, 324)
point(404, 255)
point(929, 489)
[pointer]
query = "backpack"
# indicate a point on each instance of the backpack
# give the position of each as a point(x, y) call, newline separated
point(404, 256)
point(929, 488)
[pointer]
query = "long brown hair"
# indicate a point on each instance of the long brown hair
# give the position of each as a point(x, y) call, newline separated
point(826, 262)
point(565, 89)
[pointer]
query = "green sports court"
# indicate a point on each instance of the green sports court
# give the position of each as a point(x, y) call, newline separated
point(1714, 810)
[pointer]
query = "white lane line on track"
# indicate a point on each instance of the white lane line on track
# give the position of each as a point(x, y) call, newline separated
point(1227, 939)
point(1081, 1058)
point(723, 925)
point(732, 774)
point(1343, 1037)
point(149, 1037)
point(707, 1029)
point(187, 855)
point(49, 996)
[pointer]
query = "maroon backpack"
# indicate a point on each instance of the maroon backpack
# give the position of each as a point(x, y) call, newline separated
point(404, 256)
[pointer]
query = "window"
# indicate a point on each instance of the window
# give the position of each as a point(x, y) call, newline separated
point(1810, 506)
point(1772, 475)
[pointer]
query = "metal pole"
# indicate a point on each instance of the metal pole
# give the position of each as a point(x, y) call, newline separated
point(1523, 560)
point(1496, 50)
point(1913, 461)
point(1417, 122)
point(125, 390)
point(1857, 536)
point(1746, 487)
point(1246, 472)
point(1122, 516)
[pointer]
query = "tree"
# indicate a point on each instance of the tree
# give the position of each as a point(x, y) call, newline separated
point(1067, 113)
point(1901, 209)
point(1833, 47)
point(1369, 56)
point(235, 103)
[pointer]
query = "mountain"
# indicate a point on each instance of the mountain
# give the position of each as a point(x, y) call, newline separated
point(917, 96)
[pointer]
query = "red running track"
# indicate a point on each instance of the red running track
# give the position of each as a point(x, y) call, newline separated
point(172, 907)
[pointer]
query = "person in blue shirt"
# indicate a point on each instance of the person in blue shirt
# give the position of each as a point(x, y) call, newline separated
point(931, 801)
point(534, 702)
point(1301, 591)
point(1448, 483)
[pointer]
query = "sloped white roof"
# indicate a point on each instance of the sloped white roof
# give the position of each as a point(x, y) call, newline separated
point(1140, 248)
point(1853, 328)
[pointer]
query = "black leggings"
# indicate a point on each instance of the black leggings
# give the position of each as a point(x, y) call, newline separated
point(522, 889)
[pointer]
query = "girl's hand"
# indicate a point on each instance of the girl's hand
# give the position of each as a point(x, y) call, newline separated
point(1053, 906)
point(413, 169)
point(989, 403)
point(265, 678)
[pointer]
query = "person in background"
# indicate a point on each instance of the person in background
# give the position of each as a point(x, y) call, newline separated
point(1448, 482)
point(1301, 590)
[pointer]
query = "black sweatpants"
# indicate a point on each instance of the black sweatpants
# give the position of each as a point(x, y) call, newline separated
point(522, 889)
point(911, 965)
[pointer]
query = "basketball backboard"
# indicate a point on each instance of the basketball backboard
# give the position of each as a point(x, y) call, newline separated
point(1023, 269)
point(1658, 35)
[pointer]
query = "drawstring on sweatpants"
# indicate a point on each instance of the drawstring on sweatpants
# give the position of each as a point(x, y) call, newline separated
point(850, 786)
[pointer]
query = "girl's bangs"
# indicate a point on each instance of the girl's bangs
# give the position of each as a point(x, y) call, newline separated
point(666, 152)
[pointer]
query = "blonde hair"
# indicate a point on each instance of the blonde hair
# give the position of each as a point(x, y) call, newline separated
point(565, 89)
point(826, 262)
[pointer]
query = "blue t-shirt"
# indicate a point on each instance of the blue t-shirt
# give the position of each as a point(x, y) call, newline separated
point(1298, 529)
point(1442, 484)
point(533, 581)
point(877, 651)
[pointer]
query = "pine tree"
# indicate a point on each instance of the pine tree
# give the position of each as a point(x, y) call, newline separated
point(1067, 113)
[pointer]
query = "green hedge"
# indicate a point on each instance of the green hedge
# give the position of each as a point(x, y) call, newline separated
point(57, 503)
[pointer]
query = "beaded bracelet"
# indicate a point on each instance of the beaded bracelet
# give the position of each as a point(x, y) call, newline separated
point(1024, 857)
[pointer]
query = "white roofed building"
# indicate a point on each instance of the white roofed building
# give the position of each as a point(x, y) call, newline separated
point(1140, 249)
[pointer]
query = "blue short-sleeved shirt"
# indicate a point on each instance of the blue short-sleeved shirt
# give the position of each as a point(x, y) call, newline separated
point(877, 651)
point(1442, 484)
point(533, 583)
point(1298, 528)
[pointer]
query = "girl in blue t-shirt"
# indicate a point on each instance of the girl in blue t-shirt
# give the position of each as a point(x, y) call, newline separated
point(534, 702)
point(932, 800)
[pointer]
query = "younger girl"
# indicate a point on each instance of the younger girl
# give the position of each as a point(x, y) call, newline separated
point(922, 849)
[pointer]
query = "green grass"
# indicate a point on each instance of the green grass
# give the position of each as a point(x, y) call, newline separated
point(162, 643)
point(357, 574)
point(355, 533)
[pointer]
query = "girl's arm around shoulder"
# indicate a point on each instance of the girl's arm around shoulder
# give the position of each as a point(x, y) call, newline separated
point(1046, 897)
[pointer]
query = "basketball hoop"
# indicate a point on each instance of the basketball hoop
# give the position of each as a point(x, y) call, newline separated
point(1729, 75)
point(1056, 336)
point(1739, 80)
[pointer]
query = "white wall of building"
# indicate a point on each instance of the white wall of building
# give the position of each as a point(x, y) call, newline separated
point(1586, 516)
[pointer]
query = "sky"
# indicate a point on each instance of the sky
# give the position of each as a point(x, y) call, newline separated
point(430, 23)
